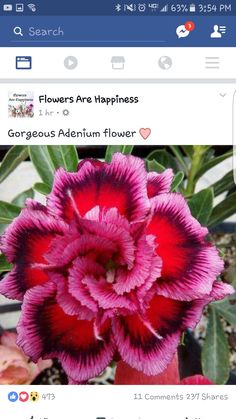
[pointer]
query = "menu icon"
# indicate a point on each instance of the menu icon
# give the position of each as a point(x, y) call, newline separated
point(212, 63)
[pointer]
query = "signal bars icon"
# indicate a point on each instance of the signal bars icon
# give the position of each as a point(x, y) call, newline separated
point(164, 9)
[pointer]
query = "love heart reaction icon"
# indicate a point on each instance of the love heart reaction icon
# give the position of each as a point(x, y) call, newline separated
point(145, 133)
point(23, 396)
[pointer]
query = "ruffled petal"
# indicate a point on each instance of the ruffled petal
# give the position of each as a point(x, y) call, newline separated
point(140, 348)
point(190, 263)
point(29, 236)
point(25, 243)
point(220, 290)
point(142, 274)
point(148, 344)
point(120, 184)
point(118, 235)
point(158, 183)
point(21, 278)
point(66, 301)
point(46, 331)
point(64, 251)
point(84, 269)
point(106, 297)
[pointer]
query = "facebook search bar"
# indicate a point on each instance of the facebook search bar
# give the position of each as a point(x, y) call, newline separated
point(39, 32)
point(83, 31)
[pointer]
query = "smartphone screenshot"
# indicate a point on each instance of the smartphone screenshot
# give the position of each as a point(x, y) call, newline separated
point(117, 209)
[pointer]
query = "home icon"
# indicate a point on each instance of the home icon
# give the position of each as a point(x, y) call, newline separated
point(118, 63)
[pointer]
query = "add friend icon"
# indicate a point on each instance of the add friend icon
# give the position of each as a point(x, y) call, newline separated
point(218, 31)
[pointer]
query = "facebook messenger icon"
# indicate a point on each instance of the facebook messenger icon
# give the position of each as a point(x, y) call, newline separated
point(183, 31)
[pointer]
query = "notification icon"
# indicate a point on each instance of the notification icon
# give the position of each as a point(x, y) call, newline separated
point(190, 26)
point(23, 396)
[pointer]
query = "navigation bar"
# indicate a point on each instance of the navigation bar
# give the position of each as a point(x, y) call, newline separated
point(118, 63)
point(115, 31)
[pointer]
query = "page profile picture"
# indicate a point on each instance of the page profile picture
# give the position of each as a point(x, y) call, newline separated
point(20, 104)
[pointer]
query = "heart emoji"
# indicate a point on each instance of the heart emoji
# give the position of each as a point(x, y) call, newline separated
point(23, 396)
point(145, 132)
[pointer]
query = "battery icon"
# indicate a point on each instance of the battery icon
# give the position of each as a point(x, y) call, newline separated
point(192, 8)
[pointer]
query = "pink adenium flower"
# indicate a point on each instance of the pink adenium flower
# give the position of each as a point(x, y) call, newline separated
point(15, 367)
point(114, 263)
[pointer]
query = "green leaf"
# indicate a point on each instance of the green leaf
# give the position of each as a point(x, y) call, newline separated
point(178, 153)
point(153, 166)
point(4, 265)
point(42, 162)
point(12, 159)
point(226, 310)
point(42, 188)
point(64, 156)
point(20, 199)
point(178, 179)
point(224, 184)
point(211, 163)
point(223, 210)
point(8, 212)
point(215, 351)
point(47, 159)
point(231, 276)
point(188, 149)
point(201, 205)
point(208, 155)
point(164, 158)
point(111, 149)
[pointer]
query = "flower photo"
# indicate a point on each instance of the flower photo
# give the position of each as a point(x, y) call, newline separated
point(117, 262)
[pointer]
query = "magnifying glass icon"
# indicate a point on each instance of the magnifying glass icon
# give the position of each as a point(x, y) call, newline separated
point(18, 31)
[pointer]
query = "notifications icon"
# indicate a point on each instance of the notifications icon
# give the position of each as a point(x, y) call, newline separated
point(183, 31)
point(18, 31)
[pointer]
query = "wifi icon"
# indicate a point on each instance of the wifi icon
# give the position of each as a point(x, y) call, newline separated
point(32, 7)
